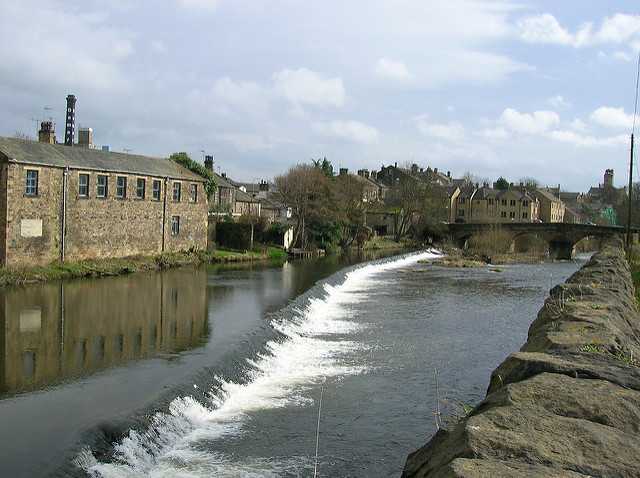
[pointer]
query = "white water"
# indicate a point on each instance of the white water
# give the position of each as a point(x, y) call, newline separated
point(315, 343)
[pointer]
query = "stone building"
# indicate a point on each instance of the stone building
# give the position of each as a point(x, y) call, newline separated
point(69, 203)
point(489, 205)
point(552, 209)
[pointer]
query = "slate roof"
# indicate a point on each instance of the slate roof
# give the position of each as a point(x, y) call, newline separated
point(548, 195)
point(223, 182)
point(77, 157)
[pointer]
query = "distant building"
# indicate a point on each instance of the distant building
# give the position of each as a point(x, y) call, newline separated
point(488, 205)
point(63, 203)
point(552, 209)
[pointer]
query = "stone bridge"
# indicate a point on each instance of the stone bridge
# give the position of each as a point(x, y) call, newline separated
point(560, 237)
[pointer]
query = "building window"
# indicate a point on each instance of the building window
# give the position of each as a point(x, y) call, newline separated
point(512, 202)
point(525, 203)
point(140, 188)
point(504, 202)
point(177, 190)
point(193, 193)
point(512, 215)
point(121, 187)
point(490, 202)
point(31, 185)
point(102, 186)
point(83, 185)
point(175, 225)
point(503, 214)
point(156, 190)
point(525, 215)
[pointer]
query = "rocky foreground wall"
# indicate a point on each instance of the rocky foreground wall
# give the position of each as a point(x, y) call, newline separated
point(567, 404)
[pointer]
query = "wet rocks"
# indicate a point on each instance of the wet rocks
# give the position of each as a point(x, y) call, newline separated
point(567, 404)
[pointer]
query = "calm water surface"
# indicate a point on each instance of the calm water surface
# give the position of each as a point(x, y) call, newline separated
point(218, 372)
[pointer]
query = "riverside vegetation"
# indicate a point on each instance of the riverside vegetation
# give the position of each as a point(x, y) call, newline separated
point(127, 265)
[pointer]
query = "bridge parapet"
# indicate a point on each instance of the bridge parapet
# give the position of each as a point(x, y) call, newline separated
point(560, 237)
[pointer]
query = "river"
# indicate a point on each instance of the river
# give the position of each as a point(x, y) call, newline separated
point(219, 371)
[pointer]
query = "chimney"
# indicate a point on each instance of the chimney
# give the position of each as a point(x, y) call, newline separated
point(435, 170)
point(85, 137)
point(47, 133)
point(608, 178)
point(264, 186)
point(224, 175)
point(70, 122)
point(395, 165)
point(208, 162)
point(344, 171)
point(448, 174)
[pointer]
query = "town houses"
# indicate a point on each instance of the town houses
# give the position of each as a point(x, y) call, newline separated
point(75, 201)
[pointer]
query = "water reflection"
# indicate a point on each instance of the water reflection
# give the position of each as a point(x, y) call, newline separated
point(52, 332)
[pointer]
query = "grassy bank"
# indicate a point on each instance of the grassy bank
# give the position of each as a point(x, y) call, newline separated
point(381, 243)
point(128, 265)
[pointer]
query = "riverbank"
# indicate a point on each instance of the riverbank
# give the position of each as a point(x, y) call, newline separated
point(127, 265)
point(567, 404)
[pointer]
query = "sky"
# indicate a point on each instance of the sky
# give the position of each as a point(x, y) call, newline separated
point(541, 89)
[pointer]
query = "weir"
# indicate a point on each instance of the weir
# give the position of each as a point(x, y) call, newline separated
point(567, 404)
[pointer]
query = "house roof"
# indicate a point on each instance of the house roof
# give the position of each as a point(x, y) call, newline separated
point(77, 157)
point(548, 195)
point(241, 196)
point(221, 181)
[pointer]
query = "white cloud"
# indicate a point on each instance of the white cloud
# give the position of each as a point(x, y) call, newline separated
point(348, 130)
point(210, 5)
point(494, 134)
point(558, 102)
point(578, 125)
point(529, 123)
point(394, 70)
point(39, 46)
point(617, 29)
point(240, 96)
point(158, 46)
point(544, 29)
point(452, 131)
point(306, 87)
point(247, 142)
point(612, 117)
point(622, 56)
point(586, 140)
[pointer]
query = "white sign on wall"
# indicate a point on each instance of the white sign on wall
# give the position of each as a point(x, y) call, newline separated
point(30, 320)
point(31, 228)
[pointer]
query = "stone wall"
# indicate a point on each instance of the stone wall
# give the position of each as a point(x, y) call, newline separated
point(46, 207)
point(98, 227)
point(567, 404)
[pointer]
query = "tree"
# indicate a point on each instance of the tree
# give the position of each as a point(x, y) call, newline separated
point(184, 160)
point(324, 165)
point(405, 199)
point(530, 183)
point(348, 209)
point(304, 188)
point(23, 136)
point(502, 184)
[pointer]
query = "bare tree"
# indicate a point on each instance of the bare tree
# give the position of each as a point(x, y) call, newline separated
point(304, 189)
point(349, 208)
point(22, 135)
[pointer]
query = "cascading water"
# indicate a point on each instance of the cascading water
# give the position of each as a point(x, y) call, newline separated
point(316, 340)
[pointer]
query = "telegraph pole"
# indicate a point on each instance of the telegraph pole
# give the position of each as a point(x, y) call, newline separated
point(630, 196)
